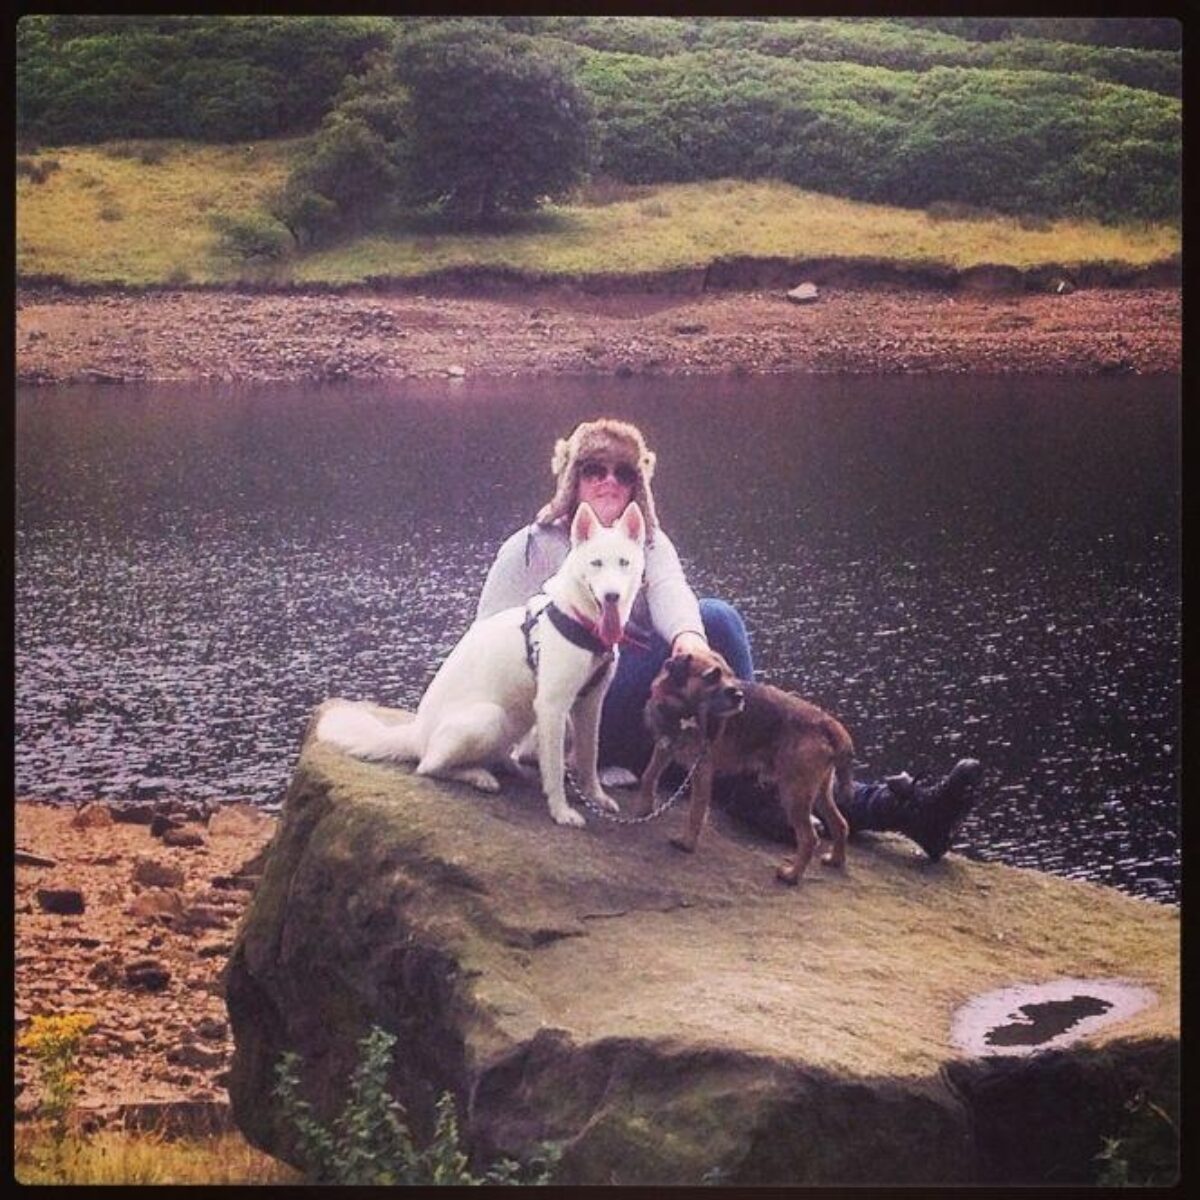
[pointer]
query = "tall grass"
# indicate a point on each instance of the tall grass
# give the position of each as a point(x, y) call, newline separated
point(108, 215)
point(115, 1157)
point(158, 227)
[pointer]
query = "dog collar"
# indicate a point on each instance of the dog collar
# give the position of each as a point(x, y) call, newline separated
point(576, 630)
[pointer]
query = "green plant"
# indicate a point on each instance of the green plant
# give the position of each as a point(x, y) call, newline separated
point(37, 170)
point(1145, 1149)
point(149, 154)
point(54, 1042)
point(250, 237)
point(495, 123)
point(215, 77)
point(369, 1143)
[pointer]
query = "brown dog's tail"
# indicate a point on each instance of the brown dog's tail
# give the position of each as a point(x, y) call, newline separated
point(843, 761)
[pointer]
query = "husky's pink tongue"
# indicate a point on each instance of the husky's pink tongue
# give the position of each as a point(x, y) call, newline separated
point(610, 623)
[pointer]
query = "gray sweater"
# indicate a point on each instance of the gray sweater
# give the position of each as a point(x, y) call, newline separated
point(531, 555)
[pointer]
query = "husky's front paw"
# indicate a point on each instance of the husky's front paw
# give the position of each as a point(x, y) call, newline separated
point(564, 814)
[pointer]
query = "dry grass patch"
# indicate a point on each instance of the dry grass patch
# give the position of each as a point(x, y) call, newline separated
point(138, 215)
point(114, 1157)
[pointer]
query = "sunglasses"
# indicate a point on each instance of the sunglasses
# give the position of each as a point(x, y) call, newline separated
point(593, 471)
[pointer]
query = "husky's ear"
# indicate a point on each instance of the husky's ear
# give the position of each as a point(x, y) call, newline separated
point(585, 523)
point(633, 523)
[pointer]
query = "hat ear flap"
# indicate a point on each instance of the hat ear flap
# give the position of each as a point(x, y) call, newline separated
point(560, 457)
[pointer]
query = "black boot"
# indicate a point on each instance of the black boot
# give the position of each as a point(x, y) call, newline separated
point(928, 813)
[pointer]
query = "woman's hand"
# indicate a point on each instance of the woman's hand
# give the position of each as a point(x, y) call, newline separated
point(689, 643)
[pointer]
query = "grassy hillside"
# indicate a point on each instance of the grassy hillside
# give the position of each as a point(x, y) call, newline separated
point(141, 212)
point(909, 46)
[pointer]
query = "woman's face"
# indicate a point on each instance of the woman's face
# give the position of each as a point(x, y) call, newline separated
point(607, 487)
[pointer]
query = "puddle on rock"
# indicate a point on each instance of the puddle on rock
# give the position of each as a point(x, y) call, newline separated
point(1030, 1017)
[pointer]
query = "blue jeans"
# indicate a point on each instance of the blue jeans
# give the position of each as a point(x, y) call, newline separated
point(625, 740)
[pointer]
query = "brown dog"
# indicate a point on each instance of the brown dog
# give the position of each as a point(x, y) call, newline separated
point(696, 703)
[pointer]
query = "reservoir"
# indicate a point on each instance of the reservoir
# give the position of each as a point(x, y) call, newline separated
point(953, 565)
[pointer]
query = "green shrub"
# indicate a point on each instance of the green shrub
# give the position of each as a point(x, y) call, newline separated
point(1145, 1149)
point(217, 78)
point(250, 238)
point(369, 1142)
point(351, 169)
point(1041, 117)
point(37, 170)
point(150, 154)
point(492, 124)
point(1014, 141)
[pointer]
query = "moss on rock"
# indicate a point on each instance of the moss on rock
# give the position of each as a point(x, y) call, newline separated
point(668, 1018)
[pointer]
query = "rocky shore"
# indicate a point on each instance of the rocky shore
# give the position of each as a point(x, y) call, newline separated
point(127, 912)
point(981, 324)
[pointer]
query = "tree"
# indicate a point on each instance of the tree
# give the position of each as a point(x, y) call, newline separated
point(351, 169)
point(495, 122)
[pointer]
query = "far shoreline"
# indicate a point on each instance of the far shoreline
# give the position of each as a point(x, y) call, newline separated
point(986, 320)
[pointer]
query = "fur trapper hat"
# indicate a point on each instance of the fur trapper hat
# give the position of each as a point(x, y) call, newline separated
point(612, 442)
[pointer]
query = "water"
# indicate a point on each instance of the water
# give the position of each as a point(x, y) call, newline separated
point(954, 566)
point(1028, 1018)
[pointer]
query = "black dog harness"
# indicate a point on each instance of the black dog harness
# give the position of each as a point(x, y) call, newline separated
point(574, 631)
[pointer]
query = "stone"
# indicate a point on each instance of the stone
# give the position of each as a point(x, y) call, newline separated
point(211, 1029)
point(156, 903)
point(26, 858)
point(203, 916)
point(669, 1018)
point(804, 293)
point(186, 838)
point(234, 883)
point(105, 971)
point(147, 974)
point(132, 814)
point(235, 820)
point(130, 1041)
point(160, 822)
point(197, 1057)
point(92, 816)
point(63, 901)
point(152, 873)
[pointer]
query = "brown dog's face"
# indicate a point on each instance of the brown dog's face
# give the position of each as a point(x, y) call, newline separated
point(691, 694)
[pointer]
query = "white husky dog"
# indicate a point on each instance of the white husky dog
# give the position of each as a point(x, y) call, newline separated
point(520, 667)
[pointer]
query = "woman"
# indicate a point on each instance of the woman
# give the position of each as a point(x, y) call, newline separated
point(608, 464)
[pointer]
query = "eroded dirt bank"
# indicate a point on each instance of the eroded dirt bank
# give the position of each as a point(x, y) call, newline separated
point(244, 336)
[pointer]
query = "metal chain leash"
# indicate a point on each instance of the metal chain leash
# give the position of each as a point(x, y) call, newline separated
point(654, 813)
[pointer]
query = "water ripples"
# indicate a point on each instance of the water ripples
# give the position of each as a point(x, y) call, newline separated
point(180, 614)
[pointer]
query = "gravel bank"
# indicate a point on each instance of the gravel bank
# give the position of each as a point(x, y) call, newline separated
point(231, 336)
point(132, 924)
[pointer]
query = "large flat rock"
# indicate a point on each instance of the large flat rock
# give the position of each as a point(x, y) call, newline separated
point(665, 1017)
